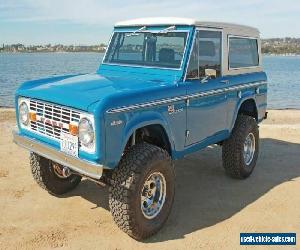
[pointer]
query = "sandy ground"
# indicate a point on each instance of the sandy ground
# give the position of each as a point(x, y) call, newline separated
point(209, 212)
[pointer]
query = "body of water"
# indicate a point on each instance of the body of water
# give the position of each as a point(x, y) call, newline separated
point(283, 73)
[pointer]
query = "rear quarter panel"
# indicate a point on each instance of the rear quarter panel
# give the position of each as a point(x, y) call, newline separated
point(257, 94)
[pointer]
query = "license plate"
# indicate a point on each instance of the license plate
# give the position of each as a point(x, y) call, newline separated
point(69, 144)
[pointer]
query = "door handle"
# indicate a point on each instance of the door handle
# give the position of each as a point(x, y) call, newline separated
point(225, 81)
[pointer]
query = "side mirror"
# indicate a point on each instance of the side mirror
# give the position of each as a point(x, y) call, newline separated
point(209, 74)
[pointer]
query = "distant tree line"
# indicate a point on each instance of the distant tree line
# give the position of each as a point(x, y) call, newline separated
point(285, 45)
point(52, 48)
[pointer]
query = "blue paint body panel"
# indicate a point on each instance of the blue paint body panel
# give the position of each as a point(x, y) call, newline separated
point(149, 92)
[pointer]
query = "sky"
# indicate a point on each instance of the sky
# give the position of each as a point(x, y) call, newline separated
point(91, 21)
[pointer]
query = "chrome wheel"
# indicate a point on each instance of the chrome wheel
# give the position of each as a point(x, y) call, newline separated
point(61, 171)
point(153, 195)
point(249, 148)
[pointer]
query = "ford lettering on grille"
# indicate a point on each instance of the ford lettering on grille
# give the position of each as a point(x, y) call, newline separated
point(51, 122)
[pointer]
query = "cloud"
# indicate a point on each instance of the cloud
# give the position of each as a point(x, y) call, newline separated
point(92, 11)
point(95, 11)
point(269, 16)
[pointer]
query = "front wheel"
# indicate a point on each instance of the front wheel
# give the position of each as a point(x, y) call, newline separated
point(48, 175)
point(240, 151)
point(142, 191)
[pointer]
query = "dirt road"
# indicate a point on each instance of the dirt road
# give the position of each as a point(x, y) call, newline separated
point(209, 212)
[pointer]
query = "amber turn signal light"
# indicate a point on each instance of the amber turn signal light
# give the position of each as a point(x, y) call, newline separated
point(73, 129)
point(32, 116)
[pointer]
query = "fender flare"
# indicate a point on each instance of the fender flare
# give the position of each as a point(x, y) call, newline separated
point(238, 106)
point(146, 119)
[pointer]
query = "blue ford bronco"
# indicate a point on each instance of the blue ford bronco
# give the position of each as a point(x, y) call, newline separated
point(167, 87)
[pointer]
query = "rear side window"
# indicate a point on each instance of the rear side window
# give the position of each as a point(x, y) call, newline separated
point(243, 52)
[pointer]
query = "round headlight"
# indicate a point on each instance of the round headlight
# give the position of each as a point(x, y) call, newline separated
point(86, 132)
point(24, 113)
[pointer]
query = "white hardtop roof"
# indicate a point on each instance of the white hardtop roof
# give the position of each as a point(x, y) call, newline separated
point(156, 21)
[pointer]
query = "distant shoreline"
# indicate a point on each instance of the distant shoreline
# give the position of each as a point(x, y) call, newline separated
point(286, 46)
point(102, 52)
point(54, 52)
point(281, 54)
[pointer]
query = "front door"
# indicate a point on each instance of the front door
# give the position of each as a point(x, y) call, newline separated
point(206, 104)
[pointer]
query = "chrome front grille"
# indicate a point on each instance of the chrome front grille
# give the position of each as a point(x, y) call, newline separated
point(52, 119)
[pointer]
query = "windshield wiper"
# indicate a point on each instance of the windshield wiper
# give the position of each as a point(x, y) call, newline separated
point(134, 33)
point(143, 29)
point(166, 30)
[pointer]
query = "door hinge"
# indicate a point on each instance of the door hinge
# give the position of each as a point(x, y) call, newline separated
point(187, 133)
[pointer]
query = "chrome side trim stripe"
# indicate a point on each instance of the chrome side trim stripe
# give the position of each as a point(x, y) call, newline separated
point(145, 104)
point(185, 97)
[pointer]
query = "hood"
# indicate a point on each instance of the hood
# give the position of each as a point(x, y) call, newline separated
point(80, 91)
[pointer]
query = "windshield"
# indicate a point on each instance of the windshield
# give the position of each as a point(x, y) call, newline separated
point(142, 48)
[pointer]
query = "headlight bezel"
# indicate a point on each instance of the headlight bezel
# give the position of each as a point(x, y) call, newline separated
point(86, 126)
point(23, 101)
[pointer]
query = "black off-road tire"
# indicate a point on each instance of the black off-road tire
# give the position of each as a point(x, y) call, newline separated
point(232, 151)
point(128, 179)
point(43, 173)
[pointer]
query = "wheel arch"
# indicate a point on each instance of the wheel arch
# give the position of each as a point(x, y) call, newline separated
point(155, 129)
point(130, 122)
point(246, 106)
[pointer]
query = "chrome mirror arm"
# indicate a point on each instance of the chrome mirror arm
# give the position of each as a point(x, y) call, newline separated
point(205, 79)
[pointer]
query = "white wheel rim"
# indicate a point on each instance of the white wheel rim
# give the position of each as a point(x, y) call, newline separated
point(153, 195)
point(249, 149)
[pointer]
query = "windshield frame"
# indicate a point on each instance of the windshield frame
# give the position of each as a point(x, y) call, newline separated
point(132, 29)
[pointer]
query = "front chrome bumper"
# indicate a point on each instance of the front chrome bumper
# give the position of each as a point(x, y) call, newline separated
point(83, 167)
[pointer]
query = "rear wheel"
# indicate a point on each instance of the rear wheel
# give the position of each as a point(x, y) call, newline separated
point(142, 191)
point(51, 176)
point(240, 151)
